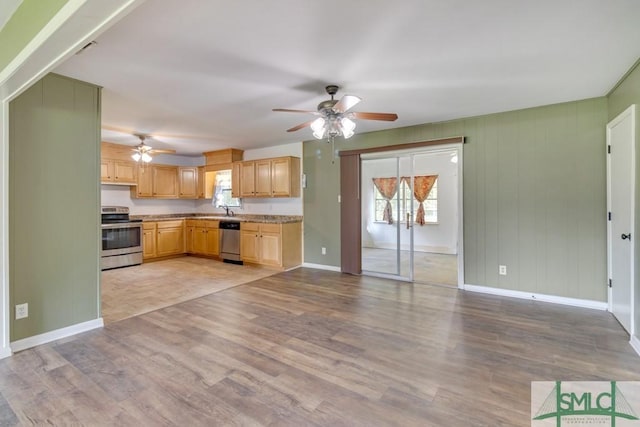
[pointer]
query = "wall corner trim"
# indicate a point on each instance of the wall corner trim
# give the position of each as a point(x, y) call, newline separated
point(47, 337)
point(5, 353)
point(321, 266)
point(575, 302)
point(635, 343)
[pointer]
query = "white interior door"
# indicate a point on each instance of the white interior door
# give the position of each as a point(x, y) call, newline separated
point(620, 201)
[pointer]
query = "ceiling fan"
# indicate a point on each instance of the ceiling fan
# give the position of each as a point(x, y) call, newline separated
point(335, 119)
point(143, 151)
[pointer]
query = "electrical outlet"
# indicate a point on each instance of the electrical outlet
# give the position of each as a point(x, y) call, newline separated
point(324, 251)
point(502, 270)
point(339, 199)
point(22, 311)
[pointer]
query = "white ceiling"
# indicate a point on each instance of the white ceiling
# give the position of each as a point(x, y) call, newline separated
point(204, 74)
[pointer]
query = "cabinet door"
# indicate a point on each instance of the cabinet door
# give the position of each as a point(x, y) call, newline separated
point(165, 182)
point(200, 240)
point(124, 172)
point(247, 179)
point(106, 170)
point(145, 181)
point(188, 238)
point(188, 182)
point(170, 241)
point(149, 240)
point(249, 249)
point(201, 181)
point(263, 178)
point(270, 245)
point(281, 177)
point(213, 241)
point(235, 180)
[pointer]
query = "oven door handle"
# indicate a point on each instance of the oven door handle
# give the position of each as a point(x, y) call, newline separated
point(122, 225)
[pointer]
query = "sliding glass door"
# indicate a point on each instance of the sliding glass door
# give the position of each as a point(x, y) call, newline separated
point(387, 216)
point(410, 215)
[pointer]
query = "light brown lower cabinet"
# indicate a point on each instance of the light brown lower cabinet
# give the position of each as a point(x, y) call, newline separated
point(148, 240)
point(274, 245)
point(203, 237)
point(163, 238)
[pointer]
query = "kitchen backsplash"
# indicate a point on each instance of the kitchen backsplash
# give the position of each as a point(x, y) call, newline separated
point(119, 195)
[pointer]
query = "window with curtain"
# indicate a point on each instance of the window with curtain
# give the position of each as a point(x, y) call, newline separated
point(222, 190)
point(430, 203)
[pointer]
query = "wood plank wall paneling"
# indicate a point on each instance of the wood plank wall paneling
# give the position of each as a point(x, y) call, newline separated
point(534, 196)
point(54, 192)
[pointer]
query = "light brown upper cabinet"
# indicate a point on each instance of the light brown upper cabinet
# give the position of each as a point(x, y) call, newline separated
point(235, 180)
point(285, 177)
point(262, 184)
point(117, 172)
point(277, 177)
point(188, 182)
point(145, 182)
point(201, 181)
point(165, 182)
point(116, 166)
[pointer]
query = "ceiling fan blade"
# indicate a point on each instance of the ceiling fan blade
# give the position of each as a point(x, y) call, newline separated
point(286, 110)
point(346, 102)
point(300, 126)
point(155, 151)
point(387, 117)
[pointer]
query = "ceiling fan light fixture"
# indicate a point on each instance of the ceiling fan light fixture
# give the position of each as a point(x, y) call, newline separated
point(136, 157)
point(318, 127)
point(146, 157)
point(348, 126)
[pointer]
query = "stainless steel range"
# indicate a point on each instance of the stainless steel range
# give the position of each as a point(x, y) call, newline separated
point(121, 238)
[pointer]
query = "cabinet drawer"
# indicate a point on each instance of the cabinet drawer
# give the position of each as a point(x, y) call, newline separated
point(270, 228)
point(250, 226)
point(148, 225)
point(212, 224)
point(170, 224)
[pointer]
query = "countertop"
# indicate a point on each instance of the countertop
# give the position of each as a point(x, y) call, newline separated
point(271, 219)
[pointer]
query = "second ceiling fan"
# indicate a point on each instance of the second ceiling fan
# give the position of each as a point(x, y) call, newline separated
point(143, 152)
point(334, 118)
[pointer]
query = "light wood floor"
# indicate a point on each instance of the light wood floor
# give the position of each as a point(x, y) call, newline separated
point(139, 289)
point(311, 347)
point(430, 268)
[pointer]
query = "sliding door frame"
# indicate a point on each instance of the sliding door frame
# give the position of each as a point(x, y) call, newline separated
point(351, 209)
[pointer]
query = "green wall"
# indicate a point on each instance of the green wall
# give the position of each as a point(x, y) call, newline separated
point(624, 95)
point(27, 21)
point(534, 196)
point(54, 197)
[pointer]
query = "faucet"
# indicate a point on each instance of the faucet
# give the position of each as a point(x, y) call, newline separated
point(228, 212)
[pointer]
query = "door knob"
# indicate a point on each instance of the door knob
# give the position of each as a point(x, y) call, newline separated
point(626, 236)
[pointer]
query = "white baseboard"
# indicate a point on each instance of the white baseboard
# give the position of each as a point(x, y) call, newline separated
point(635, 344)
point(5, 352)
point(33, 341)
point(321, 266)
point(575, 302)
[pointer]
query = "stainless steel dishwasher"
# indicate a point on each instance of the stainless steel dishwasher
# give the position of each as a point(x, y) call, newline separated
point(230, 241)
